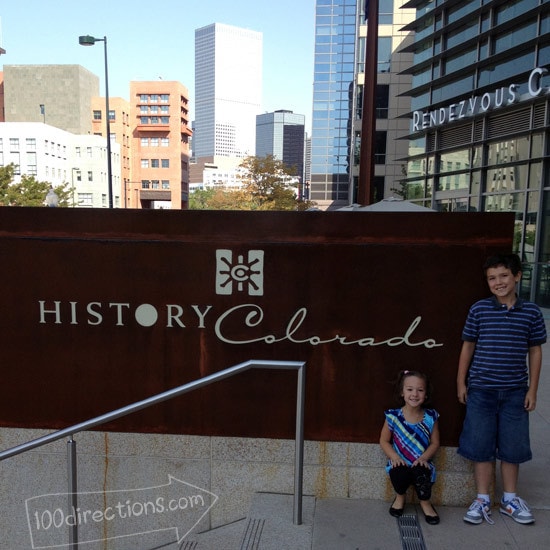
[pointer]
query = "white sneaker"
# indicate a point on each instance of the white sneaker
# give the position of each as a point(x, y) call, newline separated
point(517, 509)
point(479, 510)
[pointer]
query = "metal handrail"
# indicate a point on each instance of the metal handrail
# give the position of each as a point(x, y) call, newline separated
point(165, 396)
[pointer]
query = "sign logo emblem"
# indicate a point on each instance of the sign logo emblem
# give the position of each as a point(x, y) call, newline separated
point(240, 275)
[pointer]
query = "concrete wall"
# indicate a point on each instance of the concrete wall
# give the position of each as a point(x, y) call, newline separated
point(66, 92)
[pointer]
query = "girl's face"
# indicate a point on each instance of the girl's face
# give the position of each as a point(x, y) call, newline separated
point(414, 391)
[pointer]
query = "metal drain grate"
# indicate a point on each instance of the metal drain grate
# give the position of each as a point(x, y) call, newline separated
point(411, 533)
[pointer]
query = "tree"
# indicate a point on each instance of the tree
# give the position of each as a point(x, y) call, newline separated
point(268, 181)
point(29, 191)
point(268, 184)
point(200, 199)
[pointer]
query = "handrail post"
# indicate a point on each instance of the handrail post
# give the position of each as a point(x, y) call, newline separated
point(73, 497)
point(299, 446)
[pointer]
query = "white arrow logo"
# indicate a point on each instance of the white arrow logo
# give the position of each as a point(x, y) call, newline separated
point(106, 515)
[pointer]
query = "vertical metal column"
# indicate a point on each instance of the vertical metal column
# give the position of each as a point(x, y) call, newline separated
point(299, 446)
point(73, 497)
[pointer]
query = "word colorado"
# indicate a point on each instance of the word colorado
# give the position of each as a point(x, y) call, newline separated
point(235, 320)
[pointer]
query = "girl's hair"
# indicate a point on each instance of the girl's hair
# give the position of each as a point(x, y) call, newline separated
point(400, 382)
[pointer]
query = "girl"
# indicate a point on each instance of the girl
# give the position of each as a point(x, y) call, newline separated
point(410, 439)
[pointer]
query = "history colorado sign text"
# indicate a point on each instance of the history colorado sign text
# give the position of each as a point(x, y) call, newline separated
point(99, 309)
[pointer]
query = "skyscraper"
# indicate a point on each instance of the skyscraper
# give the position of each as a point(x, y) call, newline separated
point(340, 52)
point(228, 88)
point(281, 134)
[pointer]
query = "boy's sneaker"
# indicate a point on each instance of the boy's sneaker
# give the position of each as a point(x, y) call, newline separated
point(478, 511)
point(517, 509)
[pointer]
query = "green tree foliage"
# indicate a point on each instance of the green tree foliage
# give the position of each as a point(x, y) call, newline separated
point(267, 185)
point(200, 199)
point(29, 191)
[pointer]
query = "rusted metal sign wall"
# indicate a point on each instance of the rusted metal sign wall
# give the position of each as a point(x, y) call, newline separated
point(103, 308)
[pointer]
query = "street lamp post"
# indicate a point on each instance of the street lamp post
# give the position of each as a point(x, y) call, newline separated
point(90, 41)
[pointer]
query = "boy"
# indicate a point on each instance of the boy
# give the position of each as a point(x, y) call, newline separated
point(500, 391)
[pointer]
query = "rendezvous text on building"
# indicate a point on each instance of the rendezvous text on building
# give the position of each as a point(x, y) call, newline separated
point(100, 309)
point(477, 104)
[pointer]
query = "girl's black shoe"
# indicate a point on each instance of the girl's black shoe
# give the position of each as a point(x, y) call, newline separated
point(432, 520)
point(395, 512)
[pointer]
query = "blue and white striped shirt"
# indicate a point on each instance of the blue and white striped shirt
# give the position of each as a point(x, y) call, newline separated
point(503, 337)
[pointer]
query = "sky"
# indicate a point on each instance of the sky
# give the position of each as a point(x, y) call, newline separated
point(156, 40)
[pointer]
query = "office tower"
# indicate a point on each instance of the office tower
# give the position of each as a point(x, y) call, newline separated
point(59, 95)
point(228, 87)
point(281, 134)
point(159, 113)
point(479, 119)
point(340, 50)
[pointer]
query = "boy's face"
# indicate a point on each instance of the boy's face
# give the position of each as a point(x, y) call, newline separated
point(502, 283)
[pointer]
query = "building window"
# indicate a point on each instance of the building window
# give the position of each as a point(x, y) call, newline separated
point(112, 115)
point(144, 119)
point(154, 142)
point(31, 162)
point(165, 142)
point(85, 199)
point(31, 144)
point(165, 163)
point(90, 175)
point(154, 163)
point(143, 98)
point(384, 54)
point(78, 175)
point(164, 109)
point(385, 12)
point(154, 184)
point(144, 142)
point(97, 115)
point(14, 144)
point(15, 159)
point(145, 163)
point(164, 120)
point(164, 98)
point(382, 100)
point(380, 148)
point(145, 184)
point(166, 184)
point(154, 98)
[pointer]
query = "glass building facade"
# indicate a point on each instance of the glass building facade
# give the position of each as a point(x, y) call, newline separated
point(479, 119)
point(340, 50)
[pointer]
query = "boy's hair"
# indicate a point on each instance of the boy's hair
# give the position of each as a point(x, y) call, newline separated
point(400, 382)
point(509, 261)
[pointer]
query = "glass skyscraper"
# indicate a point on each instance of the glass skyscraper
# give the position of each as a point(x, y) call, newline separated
point(340, 51)
point(479, 120)
point(282, 135)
